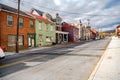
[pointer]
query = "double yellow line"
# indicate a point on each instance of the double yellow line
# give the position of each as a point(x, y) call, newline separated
point(21, 61)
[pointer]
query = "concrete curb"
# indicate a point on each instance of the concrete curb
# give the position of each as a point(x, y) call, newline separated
point(43, 48)
point(97, 65)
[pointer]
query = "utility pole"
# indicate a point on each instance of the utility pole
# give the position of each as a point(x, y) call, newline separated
point(17, 33)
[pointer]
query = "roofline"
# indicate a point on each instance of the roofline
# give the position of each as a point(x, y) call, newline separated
point(35, 16)
point(45, 21)
point(16, 13)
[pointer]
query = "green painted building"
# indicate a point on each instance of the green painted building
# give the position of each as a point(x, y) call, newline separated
point(45, 31)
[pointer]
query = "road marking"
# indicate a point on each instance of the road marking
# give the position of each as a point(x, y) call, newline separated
point(100, 58)
point(30, 64)
point(21, 61)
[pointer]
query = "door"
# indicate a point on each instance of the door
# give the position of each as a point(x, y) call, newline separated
point(31, 40)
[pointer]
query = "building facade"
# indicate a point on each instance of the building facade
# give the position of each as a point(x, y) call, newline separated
point(118, 30)
point(8, 27)
point(45, 31)
point(73, 35)
point(92, 33)
point(61, 36)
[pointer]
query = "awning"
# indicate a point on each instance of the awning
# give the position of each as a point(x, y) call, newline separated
point(61, 32)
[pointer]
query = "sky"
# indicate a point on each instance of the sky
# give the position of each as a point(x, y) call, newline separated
point(103, 14)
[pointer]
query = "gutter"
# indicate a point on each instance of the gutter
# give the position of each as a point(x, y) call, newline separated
point(16, 13)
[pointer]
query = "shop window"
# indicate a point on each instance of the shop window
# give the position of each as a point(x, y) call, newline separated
point(12, 40)
point(10, 20)
point(48, 39)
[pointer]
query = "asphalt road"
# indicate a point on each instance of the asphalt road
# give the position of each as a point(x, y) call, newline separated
point(70, 62)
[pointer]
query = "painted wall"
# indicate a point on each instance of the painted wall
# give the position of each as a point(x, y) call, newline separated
point(43, 32)
point(73, 31)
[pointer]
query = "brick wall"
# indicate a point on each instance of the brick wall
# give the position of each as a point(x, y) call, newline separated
point(5, 30)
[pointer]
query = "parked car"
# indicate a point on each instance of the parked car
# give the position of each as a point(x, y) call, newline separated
point(2, 54)
point(97, 37)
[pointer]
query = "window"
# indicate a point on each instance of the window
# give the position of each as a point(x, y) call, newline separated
point(51, 28)
point(46, 27)
point(12, 40)
point(21, 40)
point(31, 24)
point(40, 38)
point(40, 26)
point(10, 20)
point(21, 22)
point(48, 39)
point(58, 22)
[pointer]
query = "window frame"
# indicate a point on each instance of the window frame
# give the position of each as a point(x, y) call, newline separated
point(48, 39)
point(40, 25)
point(21, 26)
point(47, 27)
point(31, 24)
point(9, 20)
point(13, 40)
point(51, 28)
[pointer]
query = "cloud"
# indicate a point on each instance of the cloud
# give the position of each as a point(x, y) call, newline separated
point(112, 3)
point(103, 13)
point(57, 2)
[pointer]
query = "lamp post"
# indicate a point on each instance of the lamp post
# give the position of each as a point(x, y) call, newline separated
point(17, 33)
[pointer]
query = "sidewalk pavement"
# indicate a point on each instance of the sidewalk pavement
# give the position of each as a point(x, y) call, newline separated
point(39, 48)
point(47, 47)
point(26, 50)
point(108, 68)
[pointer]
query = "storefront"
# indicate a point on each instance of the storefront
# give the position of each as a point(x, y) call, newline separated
point(61, 37)
point(31, 39)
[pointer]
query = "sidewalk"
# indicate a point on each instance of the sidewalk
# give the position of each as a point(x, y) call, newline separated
point(108, 68)
point(39, 48)
point(26, 50)
point(47, 47)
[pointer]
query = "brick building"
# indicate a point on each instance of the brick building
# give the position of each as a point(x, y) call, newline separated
point(93, 33)
point(8, 26)
point(73, 31)
point(118, 30)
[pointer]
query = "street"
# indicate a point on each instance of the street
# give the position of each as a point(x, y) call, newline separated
point(68, 62)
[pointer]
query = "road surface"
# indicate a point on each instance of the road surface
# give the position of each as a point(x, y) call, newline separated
point(70, 62)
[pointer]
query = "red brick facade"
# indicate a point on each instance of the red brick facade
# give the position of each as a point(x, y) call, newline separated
point(73, 32)
point(118, 30)
point(6, 30)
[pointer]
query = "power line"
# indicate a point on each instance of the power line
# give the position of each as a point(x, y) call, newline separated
point(65, 12)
